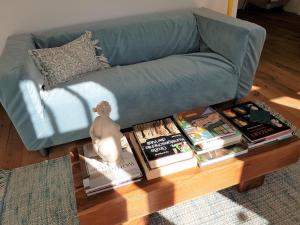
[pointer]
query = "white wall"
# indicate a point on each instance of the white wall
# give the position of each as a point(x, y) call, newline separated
point(293, 6)
point(20, 16)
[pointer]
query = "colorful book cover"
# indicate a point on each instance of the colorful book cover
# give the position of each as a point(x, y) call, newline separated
point(203, 124)
point(162, 143)
point(255, 123)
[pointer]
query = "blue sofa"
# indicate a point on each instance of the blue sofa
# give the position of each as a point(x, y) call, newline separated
point(161, 64)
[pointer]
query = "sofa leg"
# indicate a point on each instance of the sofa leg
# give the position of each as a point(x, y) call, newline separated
point(236, 101)
point(44, 152)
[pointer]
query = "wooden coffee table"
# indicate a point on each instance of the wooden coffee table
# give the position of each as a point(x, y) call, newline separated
point(132, 203)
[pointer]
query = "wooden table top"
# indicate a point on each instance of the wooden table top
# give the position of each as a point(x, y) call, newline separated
point(142, 198)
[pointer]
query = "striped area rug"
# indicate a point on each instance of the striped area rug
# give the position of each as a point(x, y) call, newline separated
point(43, 194)
point(277, 201)
point(39, 194)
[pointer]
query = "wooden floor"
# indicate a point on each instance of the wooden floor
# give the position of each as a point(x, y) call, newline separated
point(277, 82)
point(278, 75)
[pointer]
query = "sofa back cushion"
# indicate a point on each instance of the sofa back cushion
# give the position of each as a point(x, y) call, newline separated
point(135, 39)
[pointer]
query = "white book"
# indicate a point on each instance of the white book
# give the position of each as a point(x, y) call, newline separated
point(94, 191)
point(102, 175)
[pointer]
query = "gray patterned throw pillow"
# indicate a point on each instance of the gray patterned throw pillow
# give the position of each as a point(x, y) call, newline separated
point(64, 63)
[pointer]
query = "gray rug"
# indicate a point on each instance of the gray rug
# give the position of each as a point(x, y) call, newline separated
point(39, 194)
point(43, 194)
point(276, 202)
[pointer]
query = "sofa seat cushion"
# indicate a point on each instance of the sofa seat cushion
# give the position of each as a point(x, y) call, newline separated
point(140, 93)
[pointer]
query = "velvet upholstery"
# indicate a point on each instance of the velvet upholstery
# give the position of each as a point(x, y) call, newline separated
point(239, 41)
point(203, 58)
point(134, 39)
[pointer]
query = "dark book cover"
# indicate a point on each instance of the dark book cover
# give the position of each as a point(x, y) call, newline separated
point(162, 143)
point(156, 148)
point(255, 123)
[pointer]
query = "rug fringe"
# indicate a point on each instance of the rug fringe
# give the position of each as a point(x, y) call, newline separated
point(4, 176)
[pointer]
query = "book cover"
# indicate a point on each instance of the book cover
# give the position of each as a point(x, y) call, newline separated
point(162, 143)
point(222, 154)
point(203, 125)
point(255, 123)
point(160, 171)
point(101, 175)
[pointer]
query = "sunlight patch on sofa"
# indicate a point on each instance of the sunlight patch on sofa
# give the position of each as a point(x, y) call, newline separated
point(35, 109)
point(92, 93)
point(71, 106)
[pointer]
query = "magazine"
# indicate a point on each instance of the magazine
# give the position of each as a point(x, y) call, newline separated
point(204, 125)
point(256, 124)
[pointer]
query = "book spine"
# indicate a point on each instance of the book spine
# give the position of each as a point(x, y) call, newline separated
point(220, 159)
point(100, 190)
point(162, 171)
point(259, 144)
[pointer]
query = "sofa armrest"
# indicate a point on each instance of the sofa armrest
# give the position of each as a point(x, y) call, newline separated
point(239, 41)
point(12, 65)
point(20, 88)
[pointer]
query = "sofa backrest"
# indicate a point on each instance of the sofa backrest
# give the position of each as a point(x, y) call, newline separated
point(133, 39)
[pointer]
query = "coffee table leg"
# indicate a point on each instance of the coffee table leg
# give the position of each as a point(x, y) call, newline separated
point(139, 221)
point(44, 152)
point(249, 184)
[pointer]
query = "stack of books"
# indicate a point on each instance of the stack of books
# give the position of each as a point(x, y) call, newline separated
point(98, 176)
point(213, 137)
point(161, 148)
point(257, 125)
